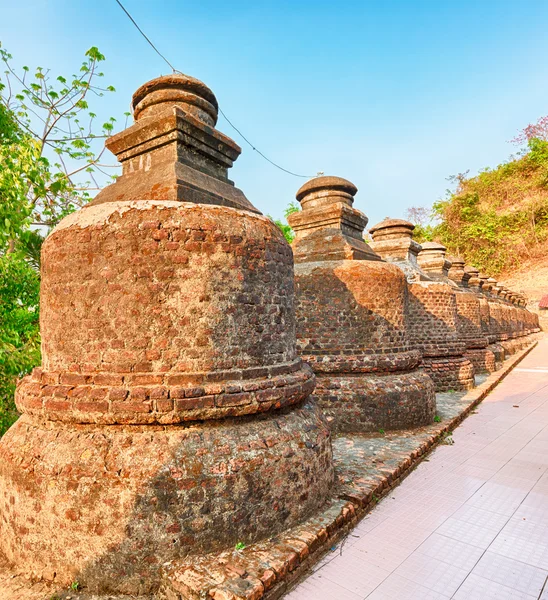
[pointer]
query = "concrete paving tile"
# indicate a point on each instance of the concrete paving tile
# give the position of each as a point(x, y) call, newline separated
point(480, 588)
point(471, 522)
point(381, 553)
point(432, 573)
point(451, 551)
point(498, 498)
point(354, 573)
point(400, 588)
point(318, 588)
point(472, 534)
point(511, 573)
point(522, 549)
point(480, 517)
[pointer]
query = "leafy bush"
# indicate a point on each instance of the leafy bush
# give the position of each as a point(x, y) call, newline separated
point(284, 226)
point(49, 159)
point(500, 217)
point(19, 331)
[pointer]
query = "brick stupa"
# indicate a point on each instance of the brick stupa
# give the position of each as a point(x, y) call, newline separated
point(393, 241)
point(171, 414)
point(351, 318)
point(469, 318)
point(432, 308)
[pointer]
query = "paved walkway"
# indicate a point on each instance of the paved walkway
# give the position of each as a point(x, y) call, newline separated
point(470, 523)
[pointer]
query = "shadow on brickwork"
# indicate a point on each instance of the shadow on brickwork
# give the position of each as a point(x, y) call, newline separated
point(249, 462)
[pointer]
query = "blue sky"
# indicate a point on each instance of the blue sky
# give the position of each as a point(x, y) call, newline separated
point(394, 95)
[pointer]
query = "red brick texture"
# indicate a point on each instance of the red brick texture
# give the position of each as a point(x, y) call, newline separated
point(433, 329)
point(108, 506)
point(351, 319)
point(171, 415)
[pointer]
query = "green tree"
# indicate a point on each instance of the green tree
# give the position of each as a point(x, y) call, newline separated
point(498, 218)
point(50, 156)
point(19, 334)
point(421, 218)
point(50, 163)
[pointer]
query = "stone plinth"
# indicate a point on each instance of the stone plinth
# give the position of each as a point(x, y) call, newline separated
point(393, 241)
point(351, 318)
point(171, 414)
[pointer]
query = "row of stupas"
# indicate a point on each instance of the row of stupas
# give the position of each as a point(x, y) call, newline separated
point(386, 325)
point(188, 365)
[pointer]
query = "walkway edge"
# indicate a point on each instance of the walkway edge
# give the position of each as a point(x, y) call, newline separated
point(269, 569)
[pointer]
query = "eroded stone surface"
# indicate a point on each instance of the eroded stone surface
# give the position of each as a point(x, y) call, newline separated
point(170, 415)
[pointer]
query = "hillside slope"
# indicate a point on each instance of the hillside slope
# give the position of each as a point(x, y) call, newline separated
point(531, 278)
point(498, 220)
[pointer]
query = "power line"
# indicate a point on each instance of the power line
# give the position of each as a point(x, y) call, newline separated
point(259, 152)
point(145, 36)
point(220, 110)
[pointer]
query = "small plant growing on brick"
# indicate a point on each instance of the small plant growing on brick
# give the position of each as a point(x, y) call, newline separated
point(381, 431)
point(437, 419)
point(75, 586)
point(447, 438)
point(240, 546)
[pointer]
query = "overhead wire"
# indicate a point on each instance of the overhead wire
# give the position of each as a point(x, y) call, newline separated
point(220, 110)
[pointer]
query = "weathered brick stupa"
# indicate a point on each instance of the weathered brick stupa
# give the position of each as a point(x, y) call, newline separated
point(513, 320)
point(432, 312)
point(476, 281)
point(171, 414)
point(433, 322)
point(469, 319)
point(499, 316)
point(528, 320)
point(351, 323)
point(393, 241)
point(490, 323)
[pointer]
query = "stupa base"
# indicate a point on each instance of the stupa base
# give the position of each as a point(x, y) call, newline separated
point(499, 353)
point(513, 345)
point(107, 506)
point(483, 360)
point(449, 373)
point(364, 403)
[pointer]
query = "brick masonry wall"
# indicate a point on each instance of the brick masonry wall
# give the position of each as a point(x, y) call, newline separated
point(433, 329)
point(154, 314)
point(355, 402)
point(141, 300)
point(483, 359)
point(351, 308)
point(454, 373)
point(118, 502)
point(469, 320)
point(184, 312)
point(352, 329)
